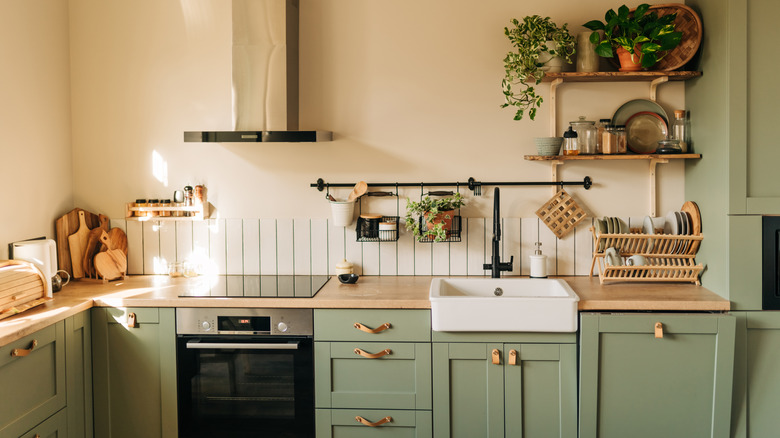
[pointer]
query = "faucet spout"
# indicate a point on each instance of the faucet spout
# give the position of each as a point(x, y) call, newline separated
point(496, 266)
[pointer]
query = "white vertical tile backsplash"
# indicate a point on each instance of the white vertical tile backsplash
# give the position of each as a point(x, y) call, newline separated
point(475, 245)
point(135, 248)
point(285, 247)
point(319, 247)
point(302, 246)
point(251, 230)
point(151, 247)
point(234, 250)
point(268, 247)
point(314, 246)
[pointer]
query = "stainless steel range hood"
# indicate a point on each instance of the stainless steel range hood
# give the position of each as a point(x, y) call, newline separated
point(265, 76)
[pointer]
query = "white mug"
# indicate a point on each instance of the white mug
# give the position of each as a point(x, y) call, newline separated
point(636, 260)
point(612, 257)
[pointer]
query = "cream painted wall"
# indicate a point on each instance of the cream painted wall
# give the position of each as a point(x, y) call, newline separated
point(410, 89)
point(34, 118)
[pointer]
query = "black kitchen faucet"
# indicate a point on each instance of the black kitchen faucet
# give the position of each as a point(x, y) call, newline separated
point(495, 265)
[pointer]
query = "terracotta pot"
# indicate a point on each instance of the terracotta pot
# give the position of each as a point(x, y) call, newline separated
point(628, 61)
point(444, 217)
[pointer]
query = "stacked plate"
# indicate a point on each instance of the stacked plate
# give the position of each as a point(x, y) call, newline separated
point(685, 222)
point(610, 225)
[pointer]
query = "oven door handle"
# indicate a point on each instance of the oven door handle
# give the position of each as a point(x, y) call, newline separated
point(241, 346)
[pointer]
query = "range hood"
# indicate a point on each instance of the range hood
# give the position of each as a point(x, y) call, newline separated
point(264, 76)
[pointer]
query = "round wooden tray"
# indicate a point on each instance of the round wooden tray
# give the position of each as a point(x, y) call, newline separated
point(687, 22)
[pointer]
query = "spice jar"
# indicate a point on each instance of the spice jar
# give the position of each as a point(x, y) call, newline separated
point(140, 203)
point(586, 135)
point(369, 225)
point(609, 140)
point(153, 203)
point(165, 203)
point(188, 199)
point(570, 146)
point(600, 134)
point(622, 140)
point(388, 230)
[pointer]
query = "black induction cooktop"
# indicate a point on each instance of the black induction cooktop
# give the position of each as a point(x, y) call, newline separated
point(257, 286)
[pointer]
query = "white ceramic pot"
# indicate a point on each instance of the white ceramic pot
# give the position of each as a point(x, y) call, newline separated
point(552, 64)
point(342, 212)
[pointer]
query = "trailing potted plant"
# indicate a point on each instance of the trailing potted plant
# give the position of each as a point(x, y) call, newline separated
point(438, 214)
point(536, 41)
point(640, 38)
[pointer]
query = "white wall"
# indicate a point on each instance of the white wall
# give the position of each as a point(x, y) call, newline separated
point(410, 89)
point(34, 118)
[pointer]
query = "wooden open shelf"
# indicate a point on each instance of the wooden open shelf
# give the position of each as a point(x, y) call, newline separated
point(620, 76)
point(611, 157)
point(199, 212)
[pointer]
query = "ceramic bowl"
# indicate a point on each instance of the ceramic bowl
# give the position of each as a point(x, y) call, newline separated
point(348, 278)
point(548, 146)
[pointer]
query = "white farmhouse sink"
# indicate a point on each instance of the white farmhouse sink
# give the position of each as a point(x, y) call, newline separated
point(525, 305)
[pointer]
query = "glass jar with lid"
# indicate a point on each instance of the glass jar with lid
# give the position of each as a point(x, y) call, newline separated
point(609, 140)
point(586, 135)
point(570, 146)
point(622, 140)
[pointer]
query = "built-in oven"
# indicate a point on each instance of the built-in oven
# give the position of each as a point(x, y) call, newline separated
point(245, 372)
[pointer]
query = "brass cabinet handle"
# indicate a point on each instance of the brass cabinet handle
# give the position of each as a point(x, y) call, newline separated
point(20, 352)
point(381, 328)
point(659, 330)
point(512, 357)
point(362, 420)
point(496, 355)
point(363, 353)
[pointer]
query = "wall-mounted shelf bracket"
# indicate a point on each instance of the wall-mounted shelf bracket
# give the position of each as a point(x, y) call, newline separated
point(653, 201)
point(654, 86)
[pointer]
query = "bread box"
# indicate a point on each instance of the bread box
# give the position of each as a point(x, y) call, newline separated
point(22, 286)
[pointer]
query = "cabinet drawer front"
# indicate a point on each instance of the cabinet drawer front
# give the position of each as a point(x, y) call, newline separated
point(699, 324)
point(54, 427)
point(33, 386)
point(339, 325)
point(399, 380)
point(342, 423)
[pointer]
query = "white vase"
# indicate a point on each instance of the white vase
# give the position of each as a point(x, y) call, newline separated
point(552, 64)
point(587, 59)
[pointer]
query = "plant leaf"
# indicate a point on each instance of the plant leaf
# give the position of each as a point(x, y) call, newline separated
point(595, 38)
point(604, 49)
point(650, 48)
point(594, 25)
point(641, 10)
point(648, 60)
point(623, 12)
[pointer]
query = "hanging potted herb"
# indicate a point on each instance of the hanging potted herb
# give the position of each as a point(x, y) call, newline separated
point(639, 38)
point(437, 213)
point(539, 46)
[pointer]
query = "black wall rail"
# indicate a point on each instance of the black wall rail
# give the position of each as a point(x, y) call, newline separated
point(473, 185)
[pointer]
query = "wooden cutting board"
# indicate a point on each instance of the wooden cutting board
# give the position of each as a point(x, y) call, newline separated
point(68, 224)
point(118, 240)
point(77, 243)
point(92, 248)
point(111, 264)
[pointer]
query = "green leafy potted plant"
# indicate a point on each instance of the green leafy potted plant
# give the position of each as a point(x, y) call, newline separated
point(438, 214)
point(640, 38)
point(535, 40)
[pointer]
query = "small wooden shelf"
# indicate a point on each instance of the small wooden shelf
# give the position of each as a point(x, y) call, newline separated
point(200, 212)
point(619, 76)
point(611, 157)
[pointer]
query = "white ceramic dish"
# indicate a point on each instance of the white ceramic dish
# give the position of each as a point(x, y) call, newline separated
point(672, 227)
point(601, 228)
point(649, 228)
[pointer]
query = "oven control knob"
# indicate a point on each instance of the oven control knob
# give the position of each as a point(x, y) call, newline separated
point(206, 325)
point(282, 327)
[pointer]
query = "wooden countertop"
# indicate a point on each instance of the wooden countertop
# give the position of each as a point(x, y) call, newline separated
point(386, 292)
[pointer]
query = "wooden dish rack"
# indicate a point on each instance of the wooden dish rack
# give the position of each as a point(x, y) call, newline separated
point(664, 265)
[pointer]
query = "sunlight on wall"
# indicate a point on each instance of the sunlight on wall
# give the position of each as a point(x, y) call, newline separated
point(160, 168)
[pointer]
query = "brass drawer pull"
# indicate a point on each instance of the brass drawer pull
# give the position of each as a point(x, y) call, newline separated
point(381, 328)
point(512, 357)
point(659, 330)
point(20, 352)
point(496, 355)
point(363, 353)
point(362, 420)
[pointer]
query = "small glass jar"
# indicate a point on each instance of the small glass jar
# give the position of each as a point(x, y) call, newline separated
point(178, 213)
point(154, 203)
point(622, 140)
point(570, 145)
point(165, 203)
point(188, 200)
point(586, 135)
point(369, 225)
point(140, 203)
point(600, 134)
point(175, 269)
point(681, 129)
point(388, 230)
point(199, 195)
point(609, 140)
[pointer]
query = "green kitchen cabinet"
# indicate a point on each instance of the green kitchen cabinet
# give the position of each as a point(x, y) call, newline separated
point(55, 426)
point(32, 378)
point(653, 375)
point(78, 364)
point(530, 392)
point(756, 380)
point(345, 423)
point(134, 372)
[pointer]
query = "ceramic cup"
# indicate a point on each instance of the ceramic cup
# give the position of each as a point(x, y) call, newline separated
point(342, 213)
point(636, 260)
point(612, 257)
